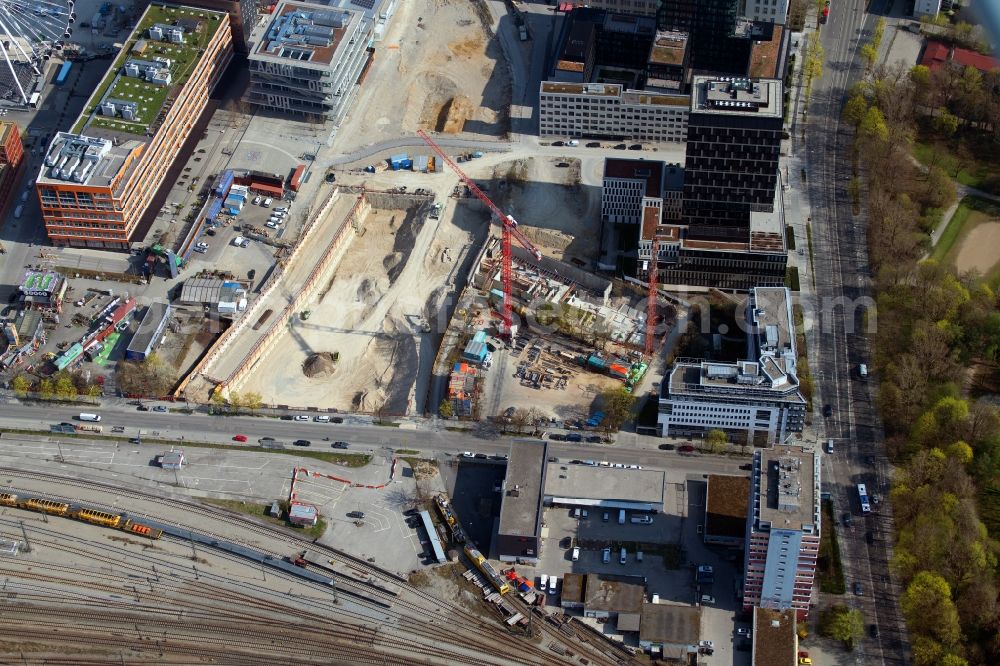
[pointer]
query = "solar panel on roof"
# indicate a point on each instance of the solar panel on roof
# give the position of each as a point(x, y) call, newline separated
point(364, 4)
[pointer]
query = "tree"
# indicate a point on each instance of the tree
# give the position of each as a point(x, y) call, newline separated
point(252, 400)
point(235, 401)
point(45, 389)
point(446, 409)
point(843, 624)
point(64, 387)
point(869, 53)
point(716, 441)
point(855, 110)
point(94, 390)
point(618, 405)
point(873, 126)
point(520, 418)
point(961, 452)
point(929, 610)
point(20, 385)
point(813, 65)
point(879, 32)
point(945, 123)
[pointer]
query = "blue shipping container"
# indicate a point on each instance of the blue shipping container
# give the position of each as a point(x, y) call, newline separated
point(225, 182)
point(398, 159)
point(597, 361)
point(63, 73)
point(480, 336)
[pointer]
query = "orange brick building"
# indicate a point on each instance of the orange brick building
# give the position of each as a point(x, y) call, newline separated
point(11, 161)
point(99, 178)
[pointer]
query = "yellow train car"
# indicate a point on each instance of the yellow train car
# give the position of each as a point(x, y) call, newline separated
point(7, 499)
point(47, 506)
point(99, 517)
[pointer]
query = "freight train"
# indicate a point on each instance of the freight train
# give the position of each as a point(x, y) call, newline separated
point(495, 578)
point(94, 516)
point(449, 518)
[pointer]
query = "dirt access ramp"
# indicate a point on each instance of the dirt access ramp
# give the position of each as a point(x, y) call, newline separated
point(377, 312)
point(438, 70)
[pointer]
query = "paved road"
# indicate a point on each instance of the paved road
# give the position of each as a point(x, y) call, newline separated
point(842, 272)
point(361, 435)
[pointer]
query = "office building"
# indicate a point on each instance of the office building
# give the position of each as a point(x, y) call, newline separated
point(733, 143)
point(11, 161)
point(609, 111)
point(769, 11)
point(307, 59)
point(615, 76)
point(755, 400)
point(927, 8)
point(636, 7)
point(98, 179)
point(519, 536)
point(783, 530)
point(717, 43)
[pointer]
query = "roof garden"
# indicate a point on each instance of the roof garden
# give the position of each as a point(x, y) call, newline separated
point(200, 25)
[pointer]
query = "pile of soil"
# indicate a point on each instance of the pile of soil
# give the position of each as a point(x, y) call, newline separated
point(319, 365)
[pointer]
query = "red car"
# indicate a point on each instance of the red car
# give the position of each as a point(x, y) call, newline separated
point(240, 438)
point(687, 448)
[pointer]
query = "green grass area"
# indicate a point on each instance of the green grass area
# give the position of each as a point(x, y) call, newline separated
point(406, 452)
point(260, 511)
point(790, 236)
point(346, 459)
point(829, 568)
point(967, 157)
point(149, 97)
point(792, 278)
point(971, 212)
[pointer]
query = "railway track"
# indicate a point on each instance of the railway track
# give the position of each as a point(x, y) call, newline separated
point(471, 631)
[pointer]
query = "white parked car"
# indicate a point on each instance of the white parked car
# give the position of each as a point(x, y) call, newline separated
point(201, 248)
point(267, 202)
point(281, 209)
point(271, 225)
point(544, 581)
point(256, 201)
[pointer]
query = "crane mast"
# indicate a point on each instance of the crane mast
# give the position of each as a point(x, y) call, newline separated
point(509, 229)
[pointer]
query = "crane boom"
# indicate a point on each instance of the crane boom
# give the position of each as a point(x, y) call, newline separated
point(507, 223)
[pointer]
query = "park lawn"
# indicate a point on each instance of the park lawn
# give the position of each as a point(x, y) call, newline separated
point(971, 212)
point(967, 157)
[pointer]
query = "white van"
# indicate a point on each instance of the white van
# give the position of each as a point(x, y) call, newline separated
point(18, 211)
point(576, 553)
point(322, 418)
point(621, 516)
point(606, 555)
point(622, 556)
point(829, 446)
point(267, 202)
point(89, 417)
point(863, 370)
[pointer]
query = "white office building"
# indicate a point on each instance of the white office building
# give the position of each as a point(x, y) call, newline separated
point(755, 400)
point(771, 11)
point(608, 111)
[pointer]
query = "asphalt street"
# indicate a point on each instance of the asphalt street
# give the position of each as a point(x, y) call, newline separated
point(843, 276)
point(360, 436)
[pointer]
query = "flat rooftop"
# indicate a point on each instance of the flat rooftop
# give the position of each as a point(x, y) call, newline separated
point(670, 624)
point(736, 96)
point(601, 594)
point(727, 505)
point(199, 26)
point(587, 482)
point(788, 489)
point(771, 316)
point(742, 379)
point(143, 337)
point(303, 34)
point(649, 171)
point(774, 638)
point(520, 513)
point(668, 48)
point(765, 56)
point(595, 89)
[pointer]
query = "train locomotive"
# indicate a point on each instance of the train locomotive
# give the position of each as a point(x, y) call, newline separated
point(94, 516)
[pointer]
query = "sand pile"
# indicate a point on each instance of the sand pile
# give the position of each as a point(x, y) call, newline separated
point(320, 365)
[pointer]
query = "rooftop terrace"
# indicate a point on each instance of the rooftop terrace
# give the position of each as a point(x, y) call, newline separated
point(304, 34)
point(147, 98)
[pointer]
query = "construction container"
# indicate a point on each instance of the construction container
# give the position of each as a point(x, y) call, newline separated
point(432, 164)
point(597, 362)
point(296, 180)
point(480, 336)
point(396, 161)
point(420, 163)
point(616, 370)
